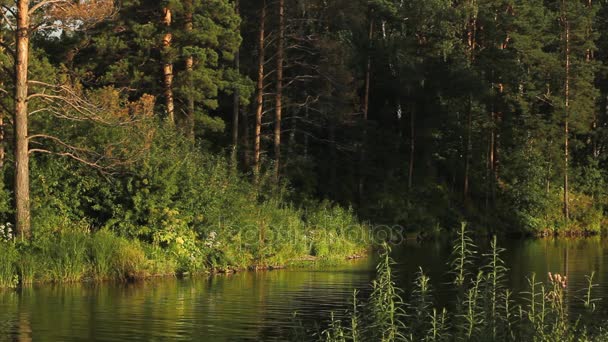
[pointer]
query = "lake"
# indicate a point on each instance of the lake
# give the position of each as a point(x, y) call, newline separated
point(257, 306)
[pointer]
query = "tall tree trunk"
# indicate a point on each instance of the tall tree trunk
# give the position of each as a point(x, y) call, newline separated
point(368, 78)
point(2, 135)
point(471, 33)
point(410, 175)
point(368, 69)
point(236, 101)
point(468, 147)
point(22, 170)
point(168, 67)
point(333, 158)
point(2, 113)
point(260, 91)
point(245, 150)
point(306, 116)
point(189, 129)
point(279, 94)
point(590, 56)
point(490, 166)
point(566, 122)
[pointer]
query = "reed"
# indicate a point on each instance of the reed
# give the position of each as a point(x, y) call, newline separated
point(484, 307)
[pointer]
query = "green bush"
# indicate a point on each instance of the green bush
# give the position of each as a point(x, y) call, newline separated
point(172, 209)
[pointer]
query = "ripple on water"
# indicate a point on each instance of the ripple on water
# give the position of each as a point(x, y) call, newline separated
point(260, 306)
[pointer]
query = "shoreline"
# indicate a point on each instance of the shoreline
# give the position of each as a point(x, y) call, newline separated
point(302, 263)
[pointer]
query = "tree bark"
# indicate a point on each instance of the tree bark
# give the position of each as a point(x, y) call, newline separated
point(236, 100)
point(333, 158)
point(410, 176)
point(566, 122)
point(2, 113)
point(471, 33)
point(245, 151)
point(468, 147)
point(306, 116)
point(279, 94)
point(490, 167)
point(366, 95)
point(189, 129)
point(368, 69)
point(260, 90)
point(22, 180)
point(168, 67)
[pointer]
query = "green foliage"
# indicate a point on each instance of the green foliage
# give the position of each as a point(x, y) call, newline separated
point(463, 253)
point(180, 212)
point(485, 312)
point(8, 259)
point(65, 255)
point(114, 257)
point(386, 304)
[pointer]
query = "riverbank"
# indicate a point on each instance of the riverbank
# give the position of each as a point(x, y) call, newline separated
point(76, 255)
point(188, 211)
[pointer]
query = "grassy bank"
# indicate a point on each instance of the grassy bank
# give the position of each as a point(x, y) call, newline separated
point(76, 255)
point(177, 208)
point(482, 308)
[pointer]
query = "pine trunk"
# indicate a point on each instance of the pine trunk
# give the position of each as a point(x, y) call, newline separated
point(366, 94)
point(2, 113)
point(168, 67)
point(260, 91)
point(236, 101)
point(246, 149)
point(333, 159)
point(279, 94)
point(22, 180)
point(410, 175)
point(490, 174)
point(189, 124)
point(471, 33)
point(566, 123)
point(468, 147)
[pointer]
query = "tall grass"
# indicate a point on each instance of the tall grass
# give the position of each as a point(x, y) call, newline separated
point(483, 308)
point(65, 256)
point(8, 271)
point(114, 257)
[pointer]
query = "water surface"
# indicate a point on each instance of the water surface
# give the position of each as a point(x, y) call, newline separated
point(260, 306)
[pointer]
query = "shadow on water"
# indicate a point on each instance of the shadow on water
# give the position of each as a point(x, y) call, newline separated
point(259, 306)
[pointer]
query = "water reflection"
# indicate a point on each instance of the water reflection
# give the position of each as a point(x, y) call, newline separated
point(259, 306)
point(575, 258)
point(246, 306)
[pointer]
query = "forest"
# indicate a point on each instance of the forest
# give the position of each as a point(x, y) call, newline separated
point(148, 137)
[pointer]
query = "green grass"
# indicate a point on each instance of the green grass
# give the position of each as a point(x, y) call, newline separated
point(76, 254)
point(8, 271)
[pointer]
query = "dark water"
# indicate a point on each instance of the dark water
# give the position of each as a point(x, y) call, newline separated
point(259, 306)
